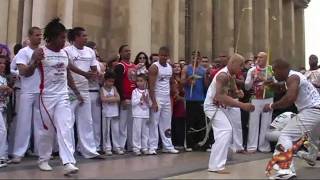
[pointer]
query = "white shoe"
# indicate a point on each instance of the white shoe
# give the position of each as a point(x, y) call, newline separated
point(119, 151)
point(70, 169)
point(44, 166)
point(283, 176)
point(3, 163)
point(108, 152)
point(16, 160)
point(145, 151)
point(188, 150)
point(137, 153)
point(170, 151)
point(152, 152)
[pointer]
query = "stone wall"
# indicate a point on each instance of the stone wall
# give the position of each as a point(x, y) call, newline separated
point(211, 26)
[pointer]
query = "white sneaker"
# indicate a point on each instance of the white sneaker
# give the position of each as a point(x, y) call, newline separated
point(119, 151)
point(137, 153)
point(283, 176)
point(44, 166)
point(108, 152)
point(145, 151)
point(3, 163)
point(70, 169)
point(16, 160)
point(152, 152)
point(170, 151)
point(188, 150)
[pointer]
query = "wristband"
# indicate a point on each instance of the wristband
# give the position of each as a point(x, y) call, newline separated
point(270, 106)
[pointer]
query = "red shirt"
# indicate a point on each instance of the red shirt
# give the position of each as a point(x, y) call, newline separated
point(129, 78)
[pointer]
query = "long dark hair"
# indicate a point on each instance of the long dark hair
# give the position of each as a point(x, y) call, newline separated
point(147, 63)
point(53, 30)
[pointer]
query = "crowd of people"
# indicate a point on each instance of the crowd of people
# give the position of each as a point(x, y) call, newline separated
point(64, 98)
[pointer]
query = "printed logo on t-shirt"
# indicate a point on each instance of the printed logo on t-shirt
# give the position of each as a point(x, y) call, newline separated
point(132, 74)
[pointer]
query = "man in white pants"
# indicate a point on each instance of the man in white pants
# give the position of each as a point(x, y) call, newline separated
point(307, 99)
point(262, 96)
point(219, 95)
point(160, 74)
point(29, 97)
point(53, 65)
point(83, 58)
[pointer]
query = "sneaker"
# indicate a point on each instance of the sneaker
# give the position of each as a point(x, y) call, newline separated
point(208, 149)
point(70, 169)
point(152, 152)
point(3, 163)
point(119, 151)
point(170, 151)
point(137, 153)
point(179, 147)
point(283, 176)
point(188, 149)
point(145, 151)
point(44, 166)
point(108, 152)
point(99, 156)
point(16, 160)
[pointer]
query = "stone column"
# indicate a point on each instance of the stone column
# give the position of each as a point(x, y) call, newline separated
point(140, 26)
point(299, 38)
point(260, 25)
point(243, 27)
point(223, 36)
point(4, 9)
point(65, 12)
point(201, 29)
point(289, 32)
point(276, 29)
point(14, 17)
point(43, 11)
point(27, 18)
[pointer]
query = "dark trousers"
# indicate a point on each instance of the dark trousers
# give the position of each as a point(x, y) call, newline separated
point(195, 121)
point(178, 126)
point(245, 127)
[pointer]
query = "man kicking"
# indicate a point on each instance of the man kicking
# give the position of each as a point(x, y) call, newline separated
point(219, 95)
point(307, 99)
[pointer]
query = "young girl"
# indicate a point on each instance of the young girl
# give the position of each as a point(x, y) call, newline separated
point(178, 111)
point(5, 91)
point(110, 109)
point(140, 113)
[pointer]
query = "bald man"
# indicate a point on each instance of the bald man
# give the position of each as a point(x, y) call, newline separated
point(220, 96)
point(259, 119)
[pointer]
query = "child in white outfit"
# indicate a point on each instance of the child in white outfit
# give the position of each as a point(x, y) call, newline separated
point(110, 110)
point(5, 91)
point(140, 113)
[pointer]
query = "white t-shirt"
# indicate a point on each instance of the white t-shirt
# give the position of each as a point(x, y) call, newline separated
point(82, 59)
point(314, 77)
point(28, 84)
point(55, 72)
point(282, 120)
point(162, 88)
point(14, 70)
point(110, 109)
point(308, 96)
point(140, 109)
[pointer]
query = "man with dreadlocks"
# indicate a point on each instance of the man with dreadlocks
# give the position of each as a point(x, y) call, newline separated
point(307, 99)
point(55, 110)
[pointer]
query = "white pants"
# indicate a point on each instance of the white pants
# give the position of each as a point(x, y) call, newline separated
point(273, 135)
point(96, 117)
point(266, 117)
point(28, 113)
point(222, 131)
point(161, 122)
point(83, 118)
point(125, 126)
point(3, 136)
point(60, 125)
point(13, 124)
point(111, 124)
point(234, 115)
point(140, 134)
point(307, 121)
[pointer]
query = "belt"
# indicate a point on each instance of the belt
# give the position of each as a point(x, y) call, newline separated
point(93, 90)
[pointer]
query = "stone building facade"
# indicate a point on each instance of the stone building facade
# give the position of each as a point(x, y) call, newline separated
point(211, 26)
